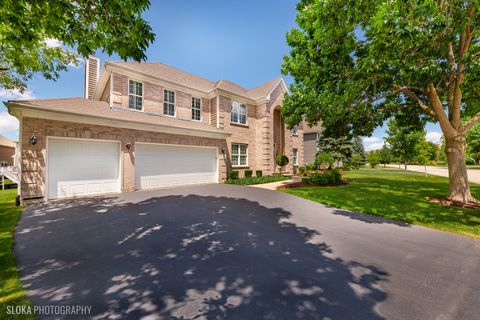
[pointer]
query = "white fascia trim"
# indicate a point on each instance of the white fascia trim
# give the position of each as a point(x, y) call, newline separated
point(34, 112)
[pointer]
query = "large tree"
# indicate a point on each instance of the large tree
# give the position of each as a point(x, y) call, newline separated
point(29, 28)
point(361, 62)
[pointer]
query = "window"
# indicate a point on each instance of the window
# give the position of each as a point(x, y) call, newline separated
point(196, 109)
point(239, 155)
point(294, 130)
point(295, 157)
point(239, 113)
point(135, 95)
point(169, 103)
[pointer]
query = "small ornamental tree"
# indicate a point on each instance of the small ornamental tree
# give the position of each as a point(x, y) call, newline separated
point(403, 141)
point(324, 161)
point(281, 160)
point(355, 64)
point(359, 148)
point(373, 158)
point(385, 155)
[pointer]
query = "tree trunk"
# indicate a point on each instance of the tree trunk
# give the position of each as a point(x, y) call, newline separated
point(458, 187)
point(405, 164)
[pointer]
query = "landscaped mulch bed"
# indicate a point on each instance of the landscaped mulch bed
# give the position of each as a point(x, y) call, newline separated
point(302, 185)
point(451, 203)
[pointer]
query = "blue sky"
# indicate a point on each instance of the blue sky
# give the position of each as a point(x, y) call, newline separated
point(242, 41)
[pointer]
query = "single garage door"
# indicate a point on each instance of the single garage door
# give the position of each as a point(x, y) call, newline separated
point(166, 165)
point(82, 167)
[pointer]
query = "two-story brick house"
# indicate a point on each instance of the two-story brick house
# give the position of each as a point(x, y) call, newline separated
point(149, 125)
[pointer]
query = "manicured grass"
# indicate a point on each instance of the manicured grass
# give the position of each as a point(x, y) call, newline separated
point(257, 180)
point(11, 292)
point(398, 195)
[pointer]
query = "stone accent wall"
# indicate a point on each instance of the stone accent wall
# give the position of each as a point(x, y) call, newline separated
point(33, 163)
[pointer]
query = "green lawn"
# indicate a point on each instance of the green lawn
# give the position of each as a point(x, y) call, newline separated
point(397, 195)
point(11, 292)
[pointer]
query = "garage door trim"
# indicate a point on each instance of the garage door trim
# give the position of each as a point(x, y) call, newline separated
point(47, 162)
point(217, 157)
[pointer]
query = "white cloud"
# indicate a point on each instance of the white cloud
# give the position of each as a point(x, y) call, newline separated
point(371, 139)
point(8, 123)
point(53, 43)
point(15, 94)
point(374, 146)
point(434, 137)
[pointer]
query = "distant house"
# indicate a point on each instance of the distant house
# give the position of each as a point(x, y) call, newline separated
point(310, 142)
point(7, 151)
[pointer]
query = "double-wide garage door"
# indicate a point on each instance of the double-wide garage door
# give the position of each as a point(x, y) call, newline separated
point(167, 165)
point(82, 167)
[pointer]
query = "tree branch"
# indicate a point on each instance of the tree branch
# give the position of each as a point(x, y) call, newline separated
point(437, 106)
point(473, 121)
point(417, 100)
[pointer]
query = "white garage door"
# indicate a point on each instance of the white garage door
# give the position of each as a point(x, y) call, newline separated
point(82, 167)
point(167, 165)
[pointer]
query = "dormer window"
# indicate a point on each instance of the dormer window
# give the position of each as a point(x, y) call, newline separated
point(239, 113)
point(135, 95)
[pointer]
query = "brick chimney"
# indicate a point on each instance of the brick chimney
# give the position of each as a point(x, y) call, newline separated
point(92, 72)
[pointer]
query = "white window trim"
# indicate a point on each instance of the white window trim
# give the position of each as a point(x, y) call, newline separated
point(295, 163)
point(174, 104)
point(246, 114)
point(201, 109)
point(239, 165)
point(143, 95)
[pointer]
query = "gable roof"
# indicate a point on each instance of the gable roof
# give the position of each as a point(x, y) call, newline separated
point(168, 73)
point(5, 142)
point(174, 75)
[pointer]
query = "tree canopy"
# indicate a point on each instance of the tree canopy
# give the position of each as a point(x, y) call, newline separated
point(357, 63)
point(28, 26)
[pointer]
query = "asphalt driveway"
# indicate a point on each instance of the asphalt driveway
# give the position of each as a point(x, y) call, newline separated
point(234, 252)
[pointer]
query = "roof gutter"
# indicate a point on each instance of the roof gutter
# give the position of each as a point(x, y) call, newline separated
point(20, 110)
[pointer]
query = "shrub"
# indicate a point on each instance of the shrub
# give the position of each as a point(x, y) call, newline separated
point(356, 161)
point(248, 173)
point(324, 160)
point(232, 175)
point(469, 161)
point(302, 170)
point(346, 168)
point(281, 160)
point(257, 180)
point(295, 169)
point(327, 177)
point(305, 180)
point(311, 166)
point(259, 173)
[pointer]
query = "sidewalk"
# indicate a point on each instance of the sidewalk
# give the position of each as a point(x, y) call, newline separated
point(473, 174)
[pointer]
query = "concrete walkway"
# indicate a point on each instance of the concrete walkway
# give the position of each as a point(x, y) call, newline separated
point(272, 185)
point(473, 173)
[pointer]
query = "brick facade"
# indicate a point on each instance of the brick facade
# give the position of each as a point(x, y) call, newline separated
point(33, 163)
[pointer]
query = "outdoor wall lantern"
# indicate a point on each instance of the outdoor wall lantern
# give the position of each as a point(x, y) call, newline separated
point(222, 151)
point(128, 145)
point(33, 139)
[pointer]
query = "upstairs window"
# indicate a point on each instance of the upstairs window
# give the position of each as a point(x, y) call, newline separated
point(169, 103)
point(294, 130)
point(239, 113)
point(196, 109)
point(239, 155)
point(135, 95)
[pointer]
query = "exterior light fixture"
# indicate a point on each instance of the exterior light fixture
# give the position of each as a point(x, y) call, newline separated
point(33, 139)
point(128, 145)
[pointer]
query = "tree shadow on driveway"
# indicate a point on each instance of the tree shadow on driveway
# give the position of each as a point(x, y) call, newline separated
point(188, 257)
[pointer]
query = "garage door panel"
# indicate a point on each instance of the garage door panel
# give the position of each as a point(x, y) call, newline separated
point(82, 167)
point(163, 165)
